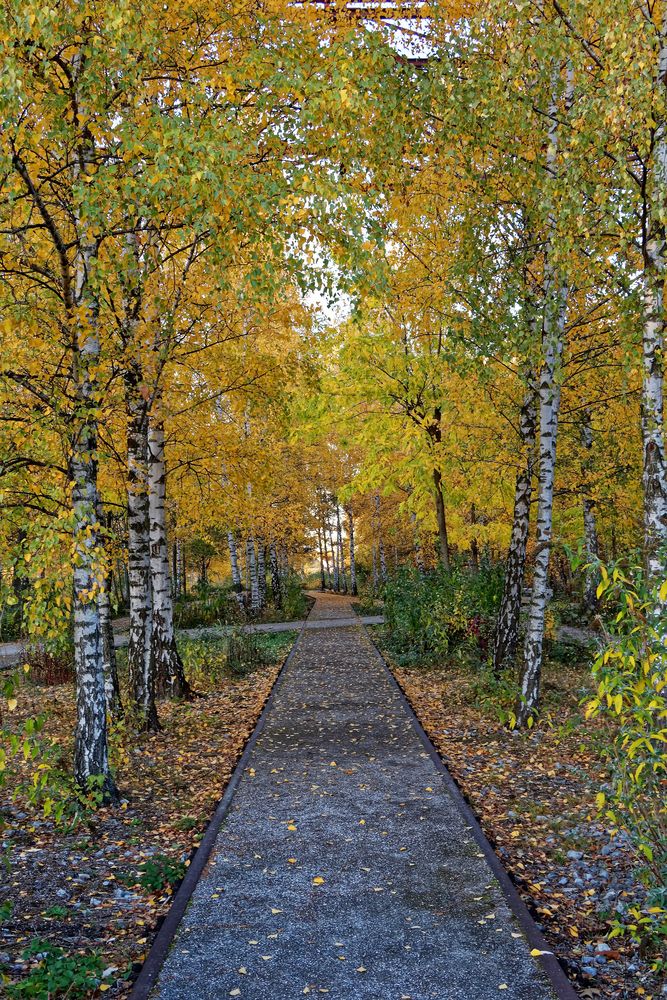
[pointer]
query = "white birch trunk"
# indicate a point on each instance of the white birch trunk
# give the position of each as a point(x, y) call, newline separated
point(553, 327)
point(591, 543)
point(506, 635)
point(353, 559)
point(91, 757)
point(237, 583)
point(276, 582)
point(381, 553)
point(140, 648)
point(251, 562)
point(342, 578)
point(336, 565)
point(110, 667)
point(654, 480)
point(323, 584)
point(261, 572)
point(167, 664)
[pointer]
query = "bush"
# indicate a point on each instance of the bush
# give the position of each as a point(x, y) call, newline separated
point(295, 602)
point(631, 676)
point(212, 606)
point(435, 614)
point(244, 653)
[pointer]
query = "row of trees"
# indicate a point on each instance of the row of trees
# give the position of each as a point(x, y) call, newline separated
point(168, 175)
point(523, 309)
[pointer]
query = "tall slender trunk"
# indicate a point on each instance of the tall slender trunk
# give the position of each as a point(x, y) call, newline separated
point(110, 667)
point(323, 584)
point(175, 571)
point(276, 582)
point(237, 584)
point(553, 328)
point(169, 672)
point(506, 635)
point(381, 552)
point(419, 558)
point(91, 756)
point(261, 572)
point(341, 550)
point(353, 560)
point(443, 541)
point(325, 546)
point(374, 569)
point(591, 542)
point(336, 564)
point(251, 561)
point(654, 476)
point(140, 657)
point(435, 434)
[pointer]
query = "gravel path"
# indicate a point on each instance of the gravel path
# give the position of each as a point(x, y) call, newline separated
point(345, 865)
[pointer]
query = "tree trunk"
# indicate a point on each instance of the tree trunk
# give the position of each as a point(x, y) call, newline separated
point(251, 561)
point(175, 571)
point(111, 686)
point(374, 570)
point(553, 327)
point(336, 565)
point(419, 558)
point(381, 552)
point(319, 548)
point(326, 554)
point(353, 561)
point(443, 541)
point(591, 543)
point(654, 479)
point(169, 672)
point(140, 659)
point(261, 572)
point(341, 550)
point(91, 756)
point(276, 582)
point(506, 635)
point(237, 583)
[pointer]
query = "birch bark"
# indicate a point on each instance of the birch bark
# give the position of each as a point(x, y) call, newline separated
point(591, 543)
point(276, 583)
point(141, 663)
point(261, 573)
point(237, 583)
point(91, 757)
point(353, 559)
point(654, 479)
point(381, 553)
point(506, 635)
point(251, 561)
point(169, 672)
point(555, 297)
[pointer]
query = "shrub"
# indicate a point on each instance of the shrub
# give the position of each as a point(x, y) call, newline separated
point(295, 603)
point(244, 653)
point(631, 676)
point(439, 613)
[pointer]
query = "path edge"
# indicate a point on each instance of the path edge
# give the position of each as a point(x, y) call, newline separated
point(560, 982)
point(152, 966)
